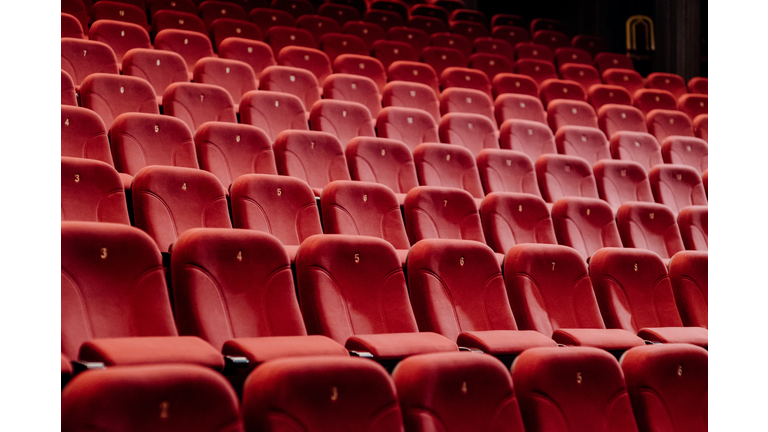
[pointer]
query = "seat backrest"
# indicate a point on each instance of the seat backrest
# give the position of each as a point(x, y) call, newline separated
point(380, 160)
point(418, 39)
point(670, 82)
point(689, 273)
point(111, 95)
point(120, 36)
point(234, 76)
point(511, 218)
point(440, 212)
point(315, 157)
point(248, 271)
point(564, 176)
point(585, 224)
point(534, 51)
point(629, 79)
point(366, 66)
point(577, 389)
point(411, 95)
point(139, 140)
point(119, 11)
point(513, 34)
point(490, 63)
point(112, 285)
point(647, 100)
point(229, 150)
point(677, 186)
point(465, 100)
point(510, 106)
point(491, 45)
point(698, 85)
point(553, 89)
point(196, 103)
point(514, 83)
point(638, 147)
point(584, 74)
point(469, 29)
point(587, 143)
point(273, 112)
point(68, 94)
point(622, 181)
point(608, 60)
point(440, 58)
point(552, 39)
point(92, 191)
point(549, 288)
point(694, 105)
point(266, 18)
point(336, 44)
point(693, 222)
point(127, 397)
point(689, 151)
point(177, 20)
point(445, 277)
point(363, 208)
point(569, 55)
point(414, 72)
point(158, 67)
point(474, 132)
point(342, 13)
point(210, 11)
point(649, 226)
point(429, 24)
point(465, 78)
point(342, 119)
point(307, 58)
point(257, 54)
point(292, 80)
point(170, 200)
point(279, 37)
point(613, 118)
point(282, 206)
point(538, 70)
point(412, 126)
point(367, 31)
point(83, 134)
point(604, 94)
point(592, 44)
point(224, 28)
point(503, 170)
point(529, 137)
point(77, 9)
point(321, 393)
point(430, 390)
point(80, 58)
point(190, 45)
point(668, 385)
point(563, 112)
point(447, 165)
point(351, 285)
point(188, 6)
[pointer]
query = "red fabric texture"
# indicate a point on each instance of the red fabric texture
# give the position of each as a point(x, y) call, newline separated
point(464, 77)
point(613, 118)
point(639, 147)
point(92, 191)
point(380, 160)
point(585, 224)
point(315, 157)
point(692, 335)
point(308, 58)
point(160, 68)
point(257, 54)
point(585, 142)
point(410, 125)
point(553, 89)
point(342, 119)
point(565, 176)
point(513, 218)
point(411, 95)
point(364, 65)
point(80, 58)
point(647, 100)
point(649, 226)
point(437, 212)
point(191, 43)
point(197, 103)
point(689, 273)
point(530, 137)
point(400, 345)
point(605, 94)
point(519, 106)
point(446, 165)
point(516, 84)
point(664, 123)
point(354, 88)
point(120, 36)
point(504, 342)
point(151, 350)
point(677, 186)
point(689, 151)
point(607, 339)
point(564, 112)
point(234, 76)
point(474, 132)
point(504, 170)
point(622, 181)
point(273, 112)
point(263, 349)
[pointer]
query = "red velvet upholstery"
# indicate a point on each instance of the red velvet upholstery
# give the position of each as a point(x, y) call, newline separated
point(441, 58)
point(456, 288)
point(698, 85)
point(315, 157)
point(552, 39)
point(210, 11)
point(119, 11)
point(414, 72)
point(447, 165)
point(629, 79)
point(342, 13)
point(592, 44)
point(361, 65)
point(584, 74)
point(111, 95)
point(412, 126)
point(587, 143)
point(416, 38)
point(529, 137)
point(307, 58)
point(564, 176)
point(91, 191)
point(677, 186)
point(230, 150)
point(688, 271)
point(170, 200)
point(701, 126)
point(490, 63)
point(68, 95)
point(638, 147)
point(342, 119)
point(321, 394)
point(647, 100)
point(514, 83)
point(353, 88)
point(367, 31)
point(257, 54)
point(494, 46)
point(649, 226)
point(550, 292)
point(664, 123)
point(604, 94)
point(77, 9)
point(279, 37)
point(513, 218)
point(431, 25)
point(585, 224)
point(668, 386)
point(263, 349)
point(608, 60)
point(686, 151)
point(562, 112)
point(433, 10)
point(151, 350)
point(670, 82)
point(469, 29)
point(150, 398)
point(292, 80)
point(553, 89)
point(80, 58)
point(223, 28)
point(234, 76)
point(384, 161)
point(199, 103)
point(473, 132)
point(620, 181)
point(539, 70)
point(614, 118)
point(139, 140)
point(83, 134)
point(511, 33)
point(66, 364)
point(160, 68)
point(566, 54)
point(509, 106)
point(463, 14)
point(693, 222)
point(190, 45)
point(120, 36)
point(188, 6)
point(352, 289)
point(410, 95)
point(266, 18)
point(465, 78)
point(336, 44)
point(577, 389)
point(505, 170)
point(437, 212)
point(273, 112)
point(177, 20)
point(296, 8)
point(464, 100)
point(456, 392)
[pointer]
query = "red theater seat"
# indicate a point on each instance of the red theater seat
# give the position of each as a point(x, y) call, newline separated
point(441, 58)
point(83, 135)
point(607, 60)
point(159, 68)
point(318, 25)
point(279, 37)
point(465, 78)
point(342, 119)
point(234, 76)
point(410, 125)
point(210, 11)
point(77, 9)
point(585, 75)
point(446, 165)
point(491, 45)
point(552, 39)
point(68, 95)
point(342, 13)
point(689, 273)
point(506, 19)
point(354, 88)
point(310, 59)
point(677, 186)
point(563, 112)
point(604, 94)
point(514, 83)
point(190, 45)
point(196, 104)
point(336, 44)
point(389, 51)
point(622, 181)
point(585, 224)
point(92, 191)
point(538, 70)
point(503, 170)
point(80, 58)
point(511, 106)
point(564, 176)
point(534, 51)
point(670, 82)
point(395, 6)
point(694, 105)
point(637, 147)
point(649, 226)
point(647, 100)
point(585, 142)
point(698, 85)
point(361, 65)
point(685, 151)
point(529, 137)
point(188, 6)
point(466, 101)
point(177, 20)
point(592, 44)
point(294, 81)
point(511, 33)
point(385, 161)
point(491, 64)
point(417, 39)
point(367, 31)
point(411, 95)
point(474, 132)
point(266, 18)
point(693, 222)
point(119, 11)
point(430, 25)
point(613, 118)
point(224, 28)
point(273, 112)
point(553, 89)
point(567, 55)
point(438, 212)
point(416, 72)
point(430, 10)
point(547, 24)
point(111, 95)
point(120, 36)
point(315, 157)
point(629, 79)
point(296, 8)
point(469, 29)
point(512, 218)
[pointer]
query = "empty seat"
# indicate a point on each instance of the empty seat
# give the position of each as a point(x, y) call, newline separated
point(511, 218)
point(467, 101)
point(430, 10)
point(529, 137)
point(629, 79)
point(698, 85)
point(111, 95)
point(282, 206)
point(491, 64)
point(115, 307)
point(465, 78)
point(310, 59)
point(685, 151)
point(120, 36)
point(190, 45)
point(649, 226)
point(622, 181)
point(342, 13)
point(414, 72)
point(181, 5)
point(510, 106)
point(547, 24)
point(315, 157)
point(196, 104)
point(176, 20)
point(83, 134)
point(451, 40)
point(567, 55)
point(279, 37)
point(91, 191)
point(430, 388)
point(677, 186)
point(446, 165)
point(474, 132)
point(634, 293)
point(266, 18)
point(583, 386)
point(513, 34)
point(439, 212)
point(361, 65)
point(500, 19)
point(689, 273)
point(412, 126)
point(494, 46)
point(389, 51)
point(591, 44)
point(395, 6)
point(417, 39)
point(503, 170)
point(613, 118)
point(80, 58)
point(68, 95)
point(551, 293)
point(338, 278)
point(130, 397)
point(604, 94)
point(384, 161)
point(563, 112)
point(342, 119)
point(273, 112)
point(534, 51)
point(336, 44)
point(650, 99)
point(292, 80)
point(441, 58)
point(664, 123)
point(119, 11)
point(539, 70)
point(296, 8)
point(210, 11)
point(463, 14)
point(318, 25)
point(354, 88)
point(159, 68)
point(585, 142)
point(668, 385)
point(607, 60)
point(229, 150)
point(321, 393)
point(564, 176)
point(694, 105)
point(224, 28)
point(411, 95)
point(670, 82)
point(637, 147)
point(77, 9)
point(585, 224)
point(553, 89)
point(367, 31)
point(469, 29)
point(514, 83)
point(552, 39)
point(234, 76)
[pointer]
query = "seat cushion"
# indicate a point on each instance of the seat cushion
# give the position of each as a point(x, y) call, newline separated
point(504, 342)
point(390, 346)
point(607, 339)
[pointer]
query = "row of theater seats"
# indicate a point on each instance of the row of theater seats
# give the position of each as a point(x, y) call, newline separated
point(650, 389)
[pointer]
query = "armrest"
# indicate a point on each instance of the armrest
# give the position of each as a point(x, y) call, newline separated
point(392, 346)
point(151, 350)
point(607, 339)
point(693, 335)
point(260, 349)
point(504, 342)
